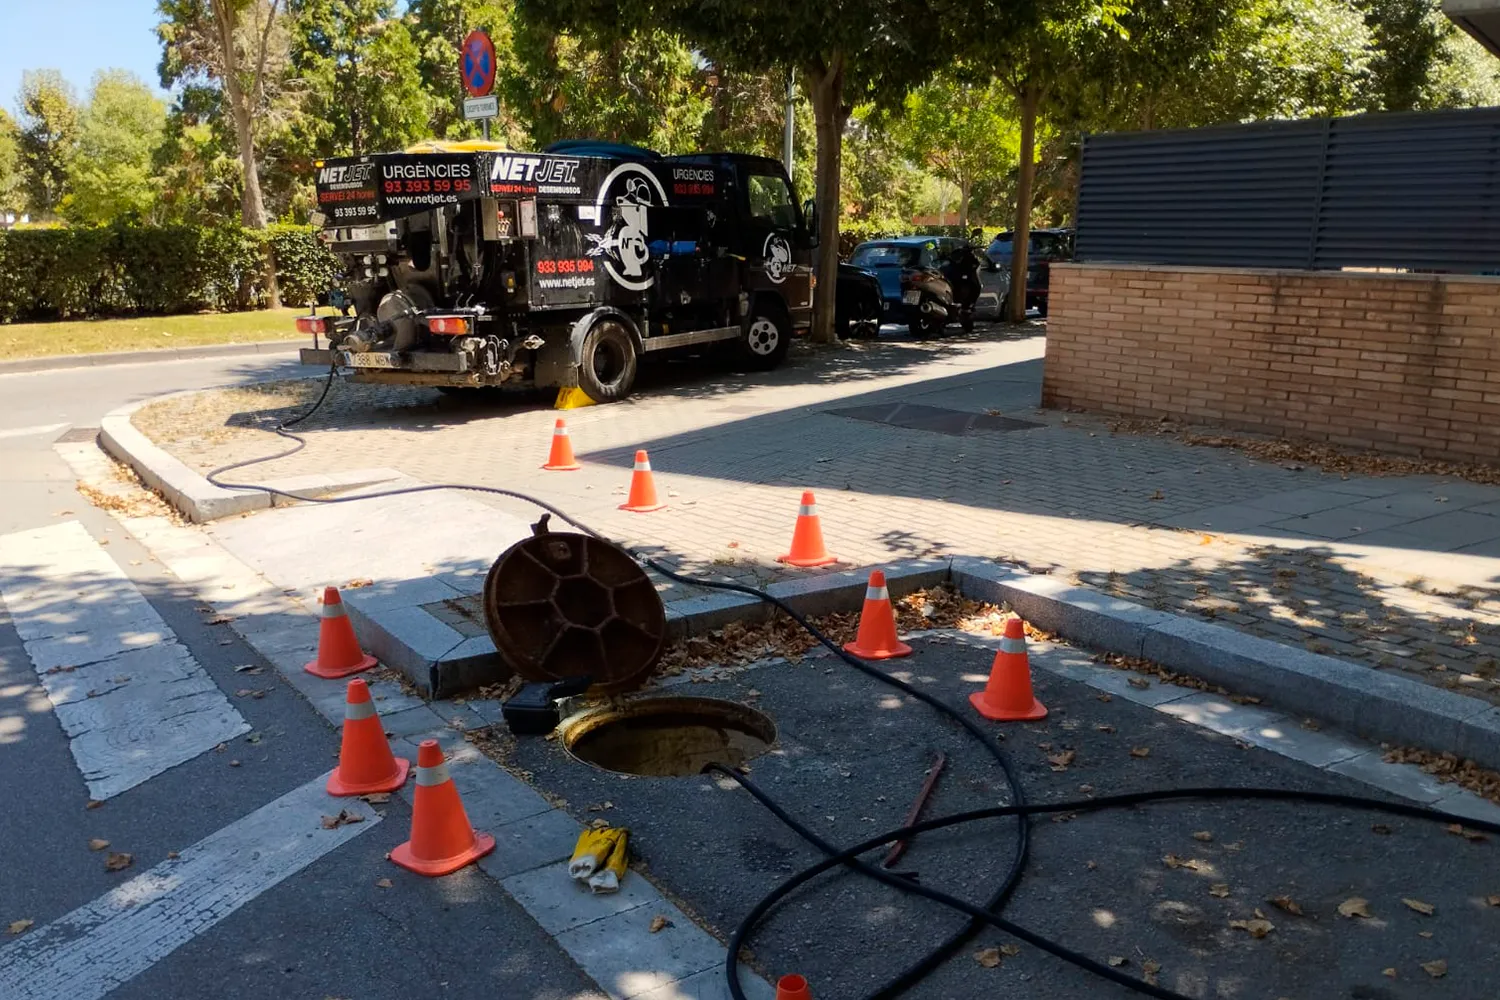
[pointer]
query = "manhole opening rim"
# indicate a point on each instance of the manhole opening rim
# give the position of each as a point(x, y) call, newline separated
point(747, 718)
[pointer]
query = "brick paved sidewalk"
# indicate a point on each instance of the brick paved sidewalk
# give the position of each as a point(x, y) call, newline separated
point(928, 448)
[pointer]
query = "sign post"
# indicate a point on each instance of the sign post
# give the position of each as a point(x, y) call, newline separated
point(477, 65)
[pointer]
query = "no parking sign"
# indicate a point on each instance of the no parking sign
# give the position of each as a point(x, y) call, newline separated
point(477, 62)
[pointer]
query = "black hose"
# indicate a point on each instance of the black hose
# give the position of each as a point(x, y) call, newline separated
point(979, 916)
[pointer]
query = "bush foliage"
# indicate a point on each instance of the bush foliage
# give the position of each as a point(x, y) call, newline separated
point(121, 270)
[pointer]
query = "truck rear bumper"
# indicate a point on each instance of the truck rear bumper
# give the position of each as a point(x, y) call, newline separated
point(412, 361)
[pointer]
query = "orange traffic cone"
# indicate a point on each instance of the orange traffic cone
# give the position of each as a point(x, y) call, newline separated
point(442, 840)
point(642, 497)
point(339, 654)
point(792, 988)
point(877, 625)
point(366, 763)
point(1007, 697)
point(807, 538)
point(561, 458)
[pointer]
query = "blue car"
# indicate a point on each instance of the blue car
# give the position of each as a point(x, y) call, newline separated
point(911, 282)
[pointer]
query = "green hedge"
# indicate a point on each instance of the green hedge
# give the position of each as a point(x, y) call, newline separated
point(122, 270)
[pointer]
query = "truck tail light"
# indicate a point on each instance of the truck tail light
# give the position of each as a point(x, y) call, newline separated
point(448, 325)
point(314, 324)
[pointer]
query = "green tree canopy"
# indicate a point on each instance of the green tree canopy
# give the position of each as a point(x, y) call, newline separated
point(962, 131)
point(110, 172)
point(12, 192)
point(361, 69)
point(48, 133)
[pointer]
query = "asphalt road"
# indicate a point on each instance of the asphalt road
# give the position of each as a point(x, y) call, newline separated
point(305, 926)
point(1159, 884)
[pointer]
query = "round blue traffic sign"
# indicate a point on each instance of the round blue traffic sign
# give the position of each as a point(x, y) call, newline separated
point(478, 64)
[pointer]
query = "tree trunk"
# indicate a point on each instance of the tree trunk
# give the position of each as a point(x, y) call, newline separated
point(1021, 237)
point(965, 188)
point(252, 205)
point(826, 84)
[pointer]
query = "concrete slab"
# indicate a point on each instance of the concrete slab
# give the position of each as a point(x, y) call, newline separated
point(1338, 523)
point(1398, 779)
point(1303, 501)
point(526, 844)
point(560, 903)
point(622, 955)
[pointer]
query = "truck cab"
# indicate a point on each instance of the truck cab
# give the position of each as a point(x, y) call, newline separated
point(468, 265)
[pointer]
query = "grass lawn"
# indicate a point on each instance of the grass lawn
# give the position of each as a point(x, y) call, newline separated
point(92, 336)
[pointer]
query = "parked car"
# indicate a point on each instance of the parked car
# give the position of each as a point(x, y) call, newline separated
point(858, 303)
point(912, 285)
point(1045, 247)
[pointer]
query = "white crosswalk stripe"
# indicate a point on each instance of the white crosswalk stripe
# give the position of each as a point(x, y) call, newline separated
point(113, 939)
point(132, 700)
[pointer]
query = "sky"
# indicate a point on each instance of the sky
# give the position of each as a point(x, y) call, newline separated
point(77, 37)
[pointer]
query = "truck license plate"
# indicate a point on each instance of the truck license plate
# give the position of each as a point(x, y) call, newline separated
point(369, 359)
point(911, 298)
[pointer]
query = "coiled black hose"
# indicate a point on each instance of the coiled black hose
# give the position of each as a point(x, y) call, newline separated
point(979, 916)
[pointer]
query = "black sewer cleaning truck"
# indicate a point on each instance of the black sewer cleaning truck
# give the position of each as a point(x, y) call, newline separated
point(467, 265)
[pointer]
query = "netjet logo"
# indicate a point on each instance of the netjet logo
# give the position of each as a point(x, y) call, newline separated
point(533, 170)
point(349, 173)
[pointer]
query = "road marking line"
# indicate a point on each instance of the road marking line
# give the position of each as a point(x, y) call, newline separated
point(16, 432)
point(132, 700)
point(113, 939)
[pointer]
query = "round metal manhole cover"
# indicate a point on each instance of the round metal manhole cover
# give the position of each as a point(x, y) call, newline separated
point(668, 737)
point(560, 605)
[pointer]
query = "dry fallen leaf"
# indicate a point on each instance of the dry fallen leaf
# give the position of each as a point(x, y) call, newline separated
point(1424, 934)
point(1173, 861)
point(1106, 698)
point(1355, 906)
point(988, 957)
point(93, 804)
point(1493, 900)
point(1149, 969)
point(1419, 906)
point(118, 861)
point(1060, 761)
point(1381, 829)
point(1288, 904)
point(344, 817)
point(1258, 928)
point(1219, 889)
point(1459, 830)
point(1140, 751)
point(19, 926)
point(376, 798)
point(1437, 969)
point(172, 855)
point(658, 923)
point(383, 883)
point(1388, 973)
point(361, 582)
point(1105, 727)
point(98, 845)
point(1137, 682)
point(1115, 961)
point(1094, 864)
point(1010, 950)
point(1204, 836)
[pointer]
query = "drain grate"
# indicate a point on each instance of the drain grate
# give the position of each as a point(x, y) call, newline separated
point(78, 435)
point(919, 417)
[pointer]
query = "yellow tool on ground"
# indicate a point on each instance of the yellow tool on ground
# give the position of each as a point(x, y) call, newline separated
point(600, 858)
point(572, 399)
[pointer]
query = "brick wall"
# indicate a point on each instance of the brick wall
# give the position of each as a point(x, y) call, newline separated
point(1408, 364)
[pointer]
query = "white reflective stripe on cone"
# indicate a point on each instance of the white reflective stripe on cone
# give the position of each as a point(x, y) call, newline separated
point(434, 775)
point(333, 610)
point(1012, 645)
point(643, 466)
point(354, 710)
point(559, 432)
point(807, 510)
point(877, 594)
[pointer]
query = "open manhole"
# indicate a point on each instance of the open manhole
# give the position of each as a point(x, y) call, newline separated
point(667, 737)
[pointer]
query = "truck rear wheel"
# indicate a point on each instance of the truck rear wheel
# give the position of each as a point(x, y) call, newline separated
point(766, 339)
point(607, 362)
